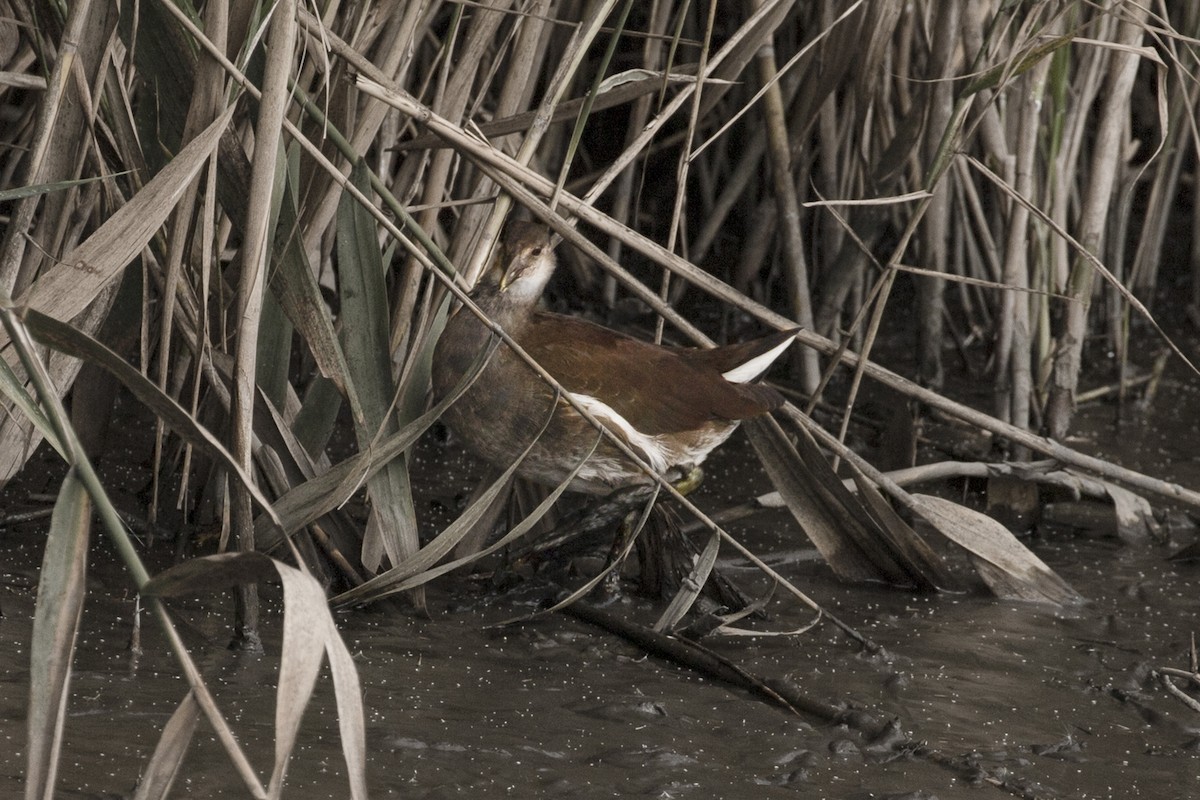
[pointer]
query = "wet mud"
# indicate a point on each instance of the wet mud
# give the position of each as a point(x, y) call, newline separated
point(994, 699)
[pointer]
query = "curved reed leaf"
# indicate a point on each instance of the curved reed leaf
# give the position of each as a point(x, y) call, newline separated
point(421, 568)
point(1009, 569)
point(310, 500)
point(67, 288)
point(14, 388)
point(309, 635)
point(163, 766)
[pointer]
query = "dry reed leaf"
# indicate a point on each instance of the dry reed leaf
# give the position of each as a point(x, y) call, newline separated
point(421, 565)
point(514, 534)
point(14, 388)
point(931, 570)
point(61, 589)
point(854, 544)
point(348, 694)
point(303, 650)
point(1009, 569)
point(310, 500)
point(690, 586)
point(920, 194)
point(365, 322)
point(614, 563)
point(66, 339)
point(42, 188)
point(67, 288)
point(295, 286)
point(163, 766)
point(309, 635)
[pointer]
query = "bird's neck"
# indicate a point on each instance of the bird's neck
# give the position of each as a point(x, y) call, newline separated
point(507, 309)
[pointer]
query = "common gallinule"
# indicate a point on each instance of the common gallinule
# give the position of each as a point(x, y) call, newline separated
point(670, 405)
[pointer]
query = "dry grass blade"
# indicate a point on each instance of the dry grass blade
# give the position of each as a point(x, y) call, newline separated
point(386, 583)
point(514, 534)
point(614, 563)
point(14, 388)
point(616, 90)
point(295, 286)
point(42, 188)
point(303, 650)
point(690, 586)
point(901, 536)
point(163, 766)
point(348, 693)
point(61, 589)
point(1009, 569)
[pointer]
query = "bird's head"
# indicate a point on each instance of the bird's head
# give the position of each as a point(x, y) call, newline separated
point(527, 259)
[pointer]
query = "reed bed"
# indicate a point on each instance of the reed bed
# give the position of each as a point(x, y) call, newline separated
point(255, 218)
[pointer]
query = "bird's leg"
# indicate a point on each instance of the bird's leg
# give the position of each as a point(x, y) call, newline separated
point(609, 588)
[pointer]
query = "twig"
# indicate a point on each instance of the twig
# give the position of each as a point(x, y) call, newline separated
point(1176, 692)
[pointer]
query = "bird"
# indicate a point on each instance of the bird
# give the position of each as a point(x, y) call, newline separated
point(672, 406)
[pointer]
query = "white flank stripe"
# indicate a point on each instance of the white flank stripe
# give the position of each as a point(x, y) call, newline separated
point(756, 366)
point(643, 445)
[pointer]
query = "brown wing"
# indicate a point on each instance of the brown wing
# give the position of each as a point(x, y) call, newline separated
point(658, 389)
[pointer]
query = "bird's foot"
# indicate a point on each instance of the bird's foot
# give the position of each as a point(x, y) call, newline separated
point(690, 480)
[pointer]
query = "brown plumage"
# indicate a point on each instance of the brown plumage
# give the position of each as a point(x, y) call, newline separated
point(671, 405)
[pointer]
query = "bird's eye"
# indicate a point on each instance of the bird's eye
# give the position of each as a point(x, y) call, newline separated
point(537, 251)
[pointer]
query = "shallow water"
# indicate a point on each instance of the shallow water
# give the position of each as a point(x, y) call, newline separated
point(1040, 701)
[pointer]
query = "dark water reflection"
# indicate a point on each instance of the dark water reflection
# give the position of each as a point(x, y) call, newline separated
point(1056, 699)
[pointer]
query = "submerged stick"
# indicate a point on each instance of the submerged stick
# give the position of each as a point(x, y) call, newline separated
point(882, 739)
point(704, 661)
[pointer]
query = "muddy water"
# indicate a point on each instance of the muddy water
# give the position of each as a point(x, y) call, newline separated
point(1022, 699)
